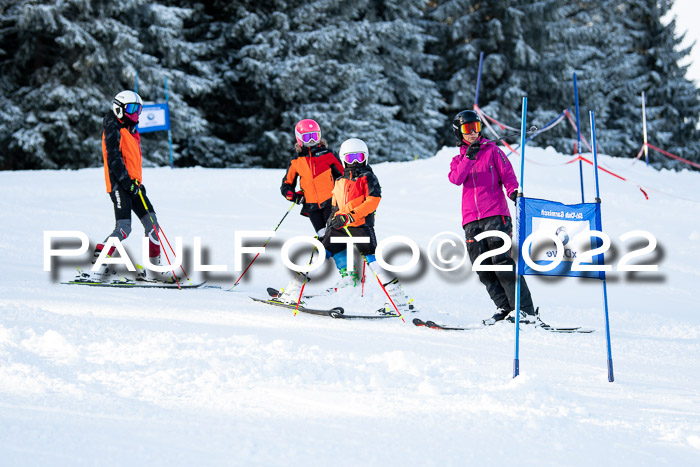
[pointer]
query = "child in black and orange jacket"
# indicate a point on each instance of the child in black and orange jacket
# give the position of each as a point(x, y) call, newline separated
point(316, 167)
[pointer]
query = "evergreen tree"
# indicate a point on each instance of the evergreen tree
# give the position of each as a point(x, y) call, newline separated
point(673, 102)
point(499, 30)
point(466, 29)
point(356, 67)
point(63, 62)
point(617, 48)
point(392, 72)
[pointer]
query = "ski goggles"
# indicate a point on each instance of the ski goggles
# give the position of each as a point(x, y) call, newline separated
point(352, 157)
point(314, 136)
point(133, 108)
point(470, 126)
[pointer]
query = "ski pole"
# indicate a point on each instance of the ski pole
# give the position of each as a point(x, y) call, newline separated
point(155, 228)
point(362, 292)
point(378, 280)
point(533, 129)
point(171, 249)
point(301, 294)
point(264, 245)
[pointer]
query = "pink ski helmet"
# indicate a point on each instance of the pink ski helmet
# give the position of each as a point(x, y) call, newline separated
point(308, 132)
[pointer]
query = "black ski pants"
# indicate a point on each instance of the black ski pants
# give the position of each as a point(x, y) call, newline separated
point(319, 218)
point(499, 284)
point(361, 231)
point(124, 204)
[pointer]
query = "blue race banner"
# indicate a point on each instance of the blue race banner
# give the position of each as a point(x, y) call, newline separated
point(154, 117)
point(541, 221)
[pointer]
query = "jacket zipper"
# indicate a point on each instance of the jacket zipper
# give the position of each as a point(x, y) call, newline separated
point(312, 166)
point(478, 213)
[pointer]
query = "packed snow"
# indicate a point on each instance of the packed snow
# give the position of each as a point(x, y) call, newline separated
point(97, 376)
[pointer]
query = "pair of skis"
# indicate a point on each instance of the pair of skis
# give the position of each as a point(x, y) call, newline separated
point(540, 325)
point(125, 282)
point(336, 312)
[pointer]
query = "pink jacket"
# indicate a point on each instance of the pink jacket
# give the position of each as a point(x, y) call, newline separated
point(482, 180)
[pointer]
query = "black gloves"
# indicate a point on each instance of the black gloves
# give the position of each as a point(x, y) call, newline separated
point(134, 188)
point(340, 221)
point(473, 150)
point(297, 197)
point(513, 196)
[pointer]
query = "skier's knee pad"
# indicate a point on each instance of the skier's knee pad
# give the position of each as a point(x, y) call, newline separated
point(149, 221)
point(122, 229)
point(150, 226)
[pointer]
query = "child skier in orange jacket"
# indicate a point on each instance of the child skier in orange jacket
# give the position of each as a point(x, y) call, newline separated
point(316, 168)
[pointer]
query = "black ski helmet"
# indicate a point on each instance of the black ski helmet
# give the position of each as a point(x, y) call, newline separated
point(465, 116)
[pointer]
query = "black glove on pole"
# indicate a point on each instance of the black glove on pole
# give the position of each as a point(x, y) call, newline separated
point(341, 220)
point(473, 150)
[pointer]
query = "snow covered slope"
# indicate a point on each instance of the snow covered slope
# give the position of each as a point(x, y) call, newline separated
point(93, 376)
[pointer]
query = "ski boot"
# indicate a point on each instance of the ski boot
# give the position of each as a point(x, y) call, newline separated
point(105, 273)
point(291, 294)
point(401, 301)
point(147, 275)
point(527, 317)
point(346, 279)
point(499, 315)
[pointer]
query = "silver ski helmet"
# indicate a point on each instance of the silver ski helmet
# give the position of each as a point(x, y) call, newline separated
point(354, 153)
point(127, 104)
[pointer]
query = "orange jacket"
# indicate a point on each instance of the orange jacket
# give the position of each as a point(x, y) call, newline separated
point(357, 193)
point(316, 168)
point(121, 153)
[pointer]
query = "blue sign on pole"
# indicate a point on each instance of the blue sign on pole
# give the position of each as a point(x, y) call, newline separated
point(571, 224)
point(154, 117)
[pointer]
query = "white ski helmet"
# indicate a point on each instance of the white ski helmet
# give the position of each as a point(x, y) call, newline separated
point(354, 153)
point(129, 104)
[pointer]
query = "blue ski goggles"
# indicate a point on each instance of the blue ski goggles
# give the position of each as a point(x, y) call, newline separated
point(133, 108)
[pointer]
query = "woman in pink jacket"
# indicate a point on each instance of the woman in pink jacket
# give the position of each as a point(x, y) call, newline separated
point(483, 171)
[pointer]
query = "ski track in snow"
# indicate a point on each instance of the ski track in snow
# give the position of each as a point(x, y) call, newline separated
point(94, 376)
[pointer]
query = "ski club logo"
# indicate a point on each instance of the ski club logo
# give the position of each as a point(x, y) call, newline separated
point(565, 231)
point(563, 235)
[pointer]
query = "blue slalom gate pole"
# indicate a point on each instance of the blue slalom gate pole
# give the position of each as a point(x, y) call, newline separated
point(611, 376)
point(136, 82)
point(644, 128)
point(478, 79)
point(578, 138)
point(518, 201)
point(170, 134)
